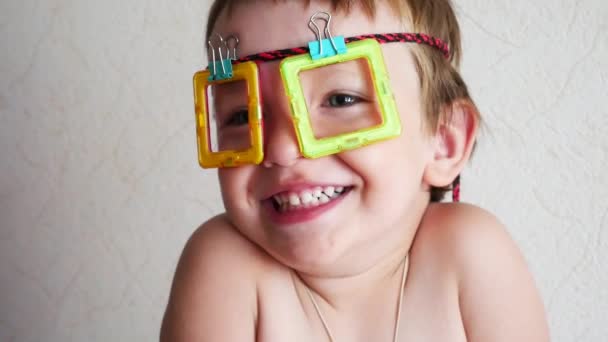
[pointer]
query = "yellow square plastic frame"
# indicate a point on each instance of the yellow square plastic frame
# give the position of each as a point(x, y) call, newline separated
point(310, 146)
point(247, 71)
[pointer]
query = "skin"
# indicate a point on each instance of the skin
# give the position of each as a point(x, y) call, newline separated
point(242, 276)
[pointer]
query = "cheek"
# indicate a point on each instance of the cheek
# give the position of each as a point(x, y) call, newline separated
point(392, 171)
point(234, 186)
point(389, 165)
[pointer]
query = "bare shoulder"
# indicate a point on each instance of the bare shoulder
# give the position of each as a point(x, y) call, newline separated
point(497, 295)
point(462, 229)
point(214, 287)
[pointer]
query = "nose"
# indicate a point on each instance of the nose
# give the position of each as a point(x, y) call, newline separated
point(281, 146)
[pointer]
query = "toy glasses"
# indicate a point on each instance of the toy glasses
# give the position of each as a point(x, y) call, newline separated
point(338, 92)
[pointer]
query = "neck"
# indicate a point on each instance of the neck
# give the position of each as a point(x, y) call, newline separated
point(347, 293)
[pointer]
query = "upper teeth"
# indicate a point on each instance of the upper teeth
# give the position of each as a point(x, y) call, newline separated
point(309, 197)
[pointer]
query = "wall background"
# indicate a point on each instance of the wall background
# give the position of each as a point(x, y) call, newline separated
point(99, 185)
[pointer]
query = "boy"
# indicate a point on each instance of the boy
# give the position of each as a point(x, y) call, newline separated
point(351, 246)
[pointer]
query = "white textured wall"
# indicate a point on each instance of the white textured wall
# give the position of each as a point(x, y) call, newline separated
point(99, 185)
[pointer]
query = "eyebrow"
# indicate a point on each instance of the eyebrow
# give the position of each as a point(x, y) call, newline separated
point(229, 90)
point(351, 69)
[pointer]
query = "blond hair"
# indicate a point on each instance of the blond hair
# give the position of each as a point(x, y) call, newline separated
point(440, 80)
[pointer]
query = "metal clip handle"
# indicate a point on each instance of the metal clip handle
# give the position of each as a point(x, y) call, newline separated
point(327, 46)
point(221, 68)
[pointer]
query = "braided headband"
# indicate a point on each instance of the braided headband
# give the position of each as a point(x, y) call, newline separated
point(419, 38)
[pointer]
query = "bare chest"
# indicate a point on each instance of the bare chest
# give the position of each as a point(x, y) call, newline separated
point(430, 312)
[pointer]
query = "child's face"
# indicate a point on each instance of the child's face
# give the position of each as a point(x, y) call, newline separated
point(385, 192)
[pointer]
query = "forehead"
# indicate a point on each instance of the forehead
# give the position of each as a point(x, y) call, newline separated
point(265, 25)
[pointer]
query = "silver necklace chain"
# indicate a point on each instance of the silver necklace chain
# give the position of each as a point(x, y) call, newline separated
point(398, 315)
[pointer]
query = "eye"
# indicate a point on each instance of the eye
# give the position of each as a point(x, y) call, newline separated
point(238, 118)
point(342, 100)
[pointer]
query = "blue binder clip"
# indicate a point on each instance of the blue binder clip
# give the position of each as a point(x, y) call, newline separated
point(329, 46)
point(222, 69)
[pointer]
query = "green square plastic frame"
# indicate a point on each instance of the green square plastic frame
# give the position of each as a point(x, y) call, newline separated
point(254, 155)
point(310, 146)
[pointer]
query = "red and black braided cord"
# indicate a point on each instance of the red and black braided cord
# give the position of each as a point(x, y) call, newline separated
point(418, 38)
point(456, 190)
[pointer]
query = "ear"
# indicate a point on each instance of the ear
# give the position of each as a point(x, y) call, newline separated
point(452, 143)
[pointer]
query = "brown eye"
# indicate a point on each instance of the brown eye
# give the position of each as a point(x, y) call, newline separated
point(342, 100)
point(238, 118)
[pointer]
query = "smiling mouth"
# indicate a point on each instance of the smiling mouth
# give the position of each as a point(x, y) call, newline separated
point(290, 201)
